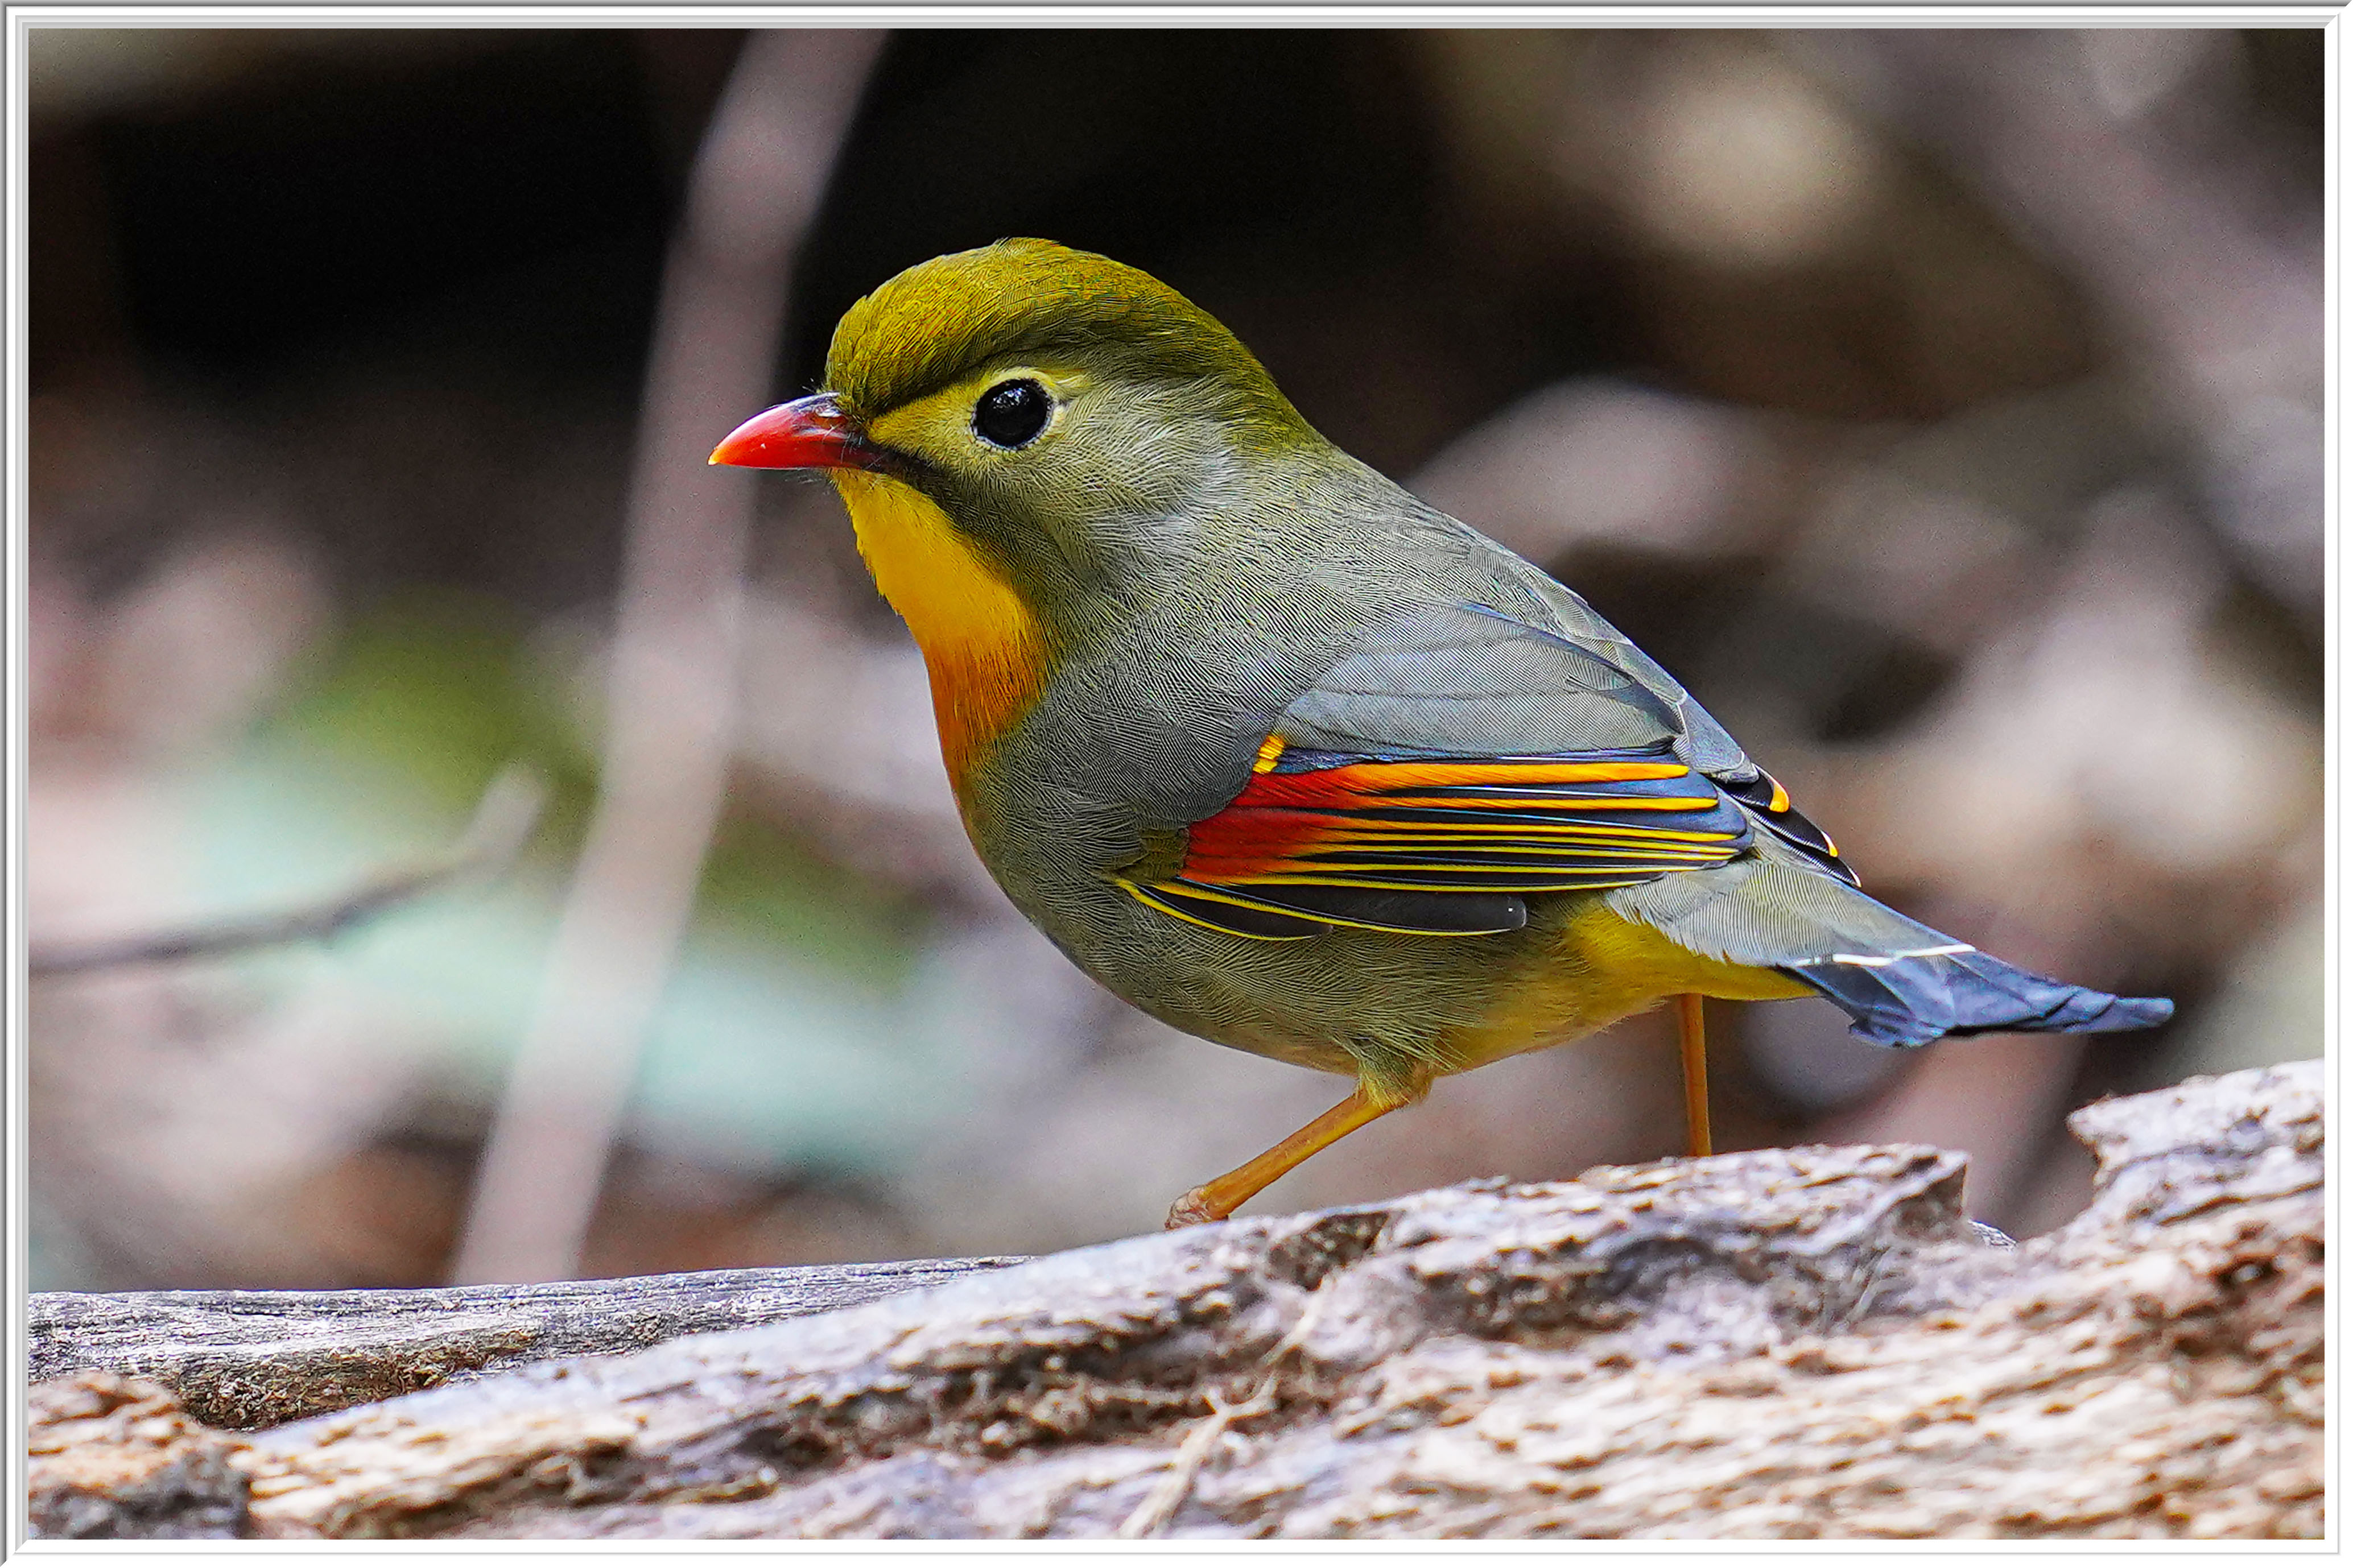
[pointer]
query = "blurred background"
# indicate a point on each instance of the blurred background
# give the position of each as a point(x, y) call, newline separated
point(1944, 408)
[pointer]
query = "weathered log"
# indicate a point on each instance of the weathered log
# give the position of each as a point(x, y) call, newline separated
point(1785, 1343)
point(258, 1357)
point(114, 1457)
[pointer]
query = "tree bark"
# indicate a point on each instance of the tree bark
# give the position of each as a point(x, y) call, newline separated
point(242, 1359)
point(1776, 1343)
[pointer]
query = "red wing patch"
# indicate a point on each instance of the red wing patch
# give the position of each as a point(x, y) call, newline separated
point(1442, 846)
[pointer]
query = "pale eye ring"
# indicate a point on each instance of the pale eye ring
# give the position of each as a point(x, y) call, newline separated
point(1012, 414)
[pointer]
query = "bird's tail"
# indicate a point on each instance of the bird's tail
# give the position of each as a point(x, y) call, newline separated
point(1910, 998)
point(1902, 983)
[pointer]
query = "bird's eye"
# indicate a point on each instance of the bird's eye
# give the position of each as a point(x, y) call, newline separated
point(1011, 412)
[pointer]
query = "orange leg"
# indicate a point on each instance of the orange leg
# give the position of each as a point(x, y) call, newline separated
point(1691, 1028)
point(1217, 1198)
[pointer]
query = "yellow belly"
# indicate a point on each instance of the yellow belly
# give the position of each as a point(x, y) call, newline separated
point(1606, 968)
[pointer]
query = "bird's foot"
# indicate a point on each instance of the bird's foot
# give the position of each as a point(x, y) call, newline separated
point(1195, 1208)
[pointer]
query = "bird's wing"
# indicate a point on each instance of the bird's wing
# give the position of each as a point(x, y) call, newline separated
point(1449, 766)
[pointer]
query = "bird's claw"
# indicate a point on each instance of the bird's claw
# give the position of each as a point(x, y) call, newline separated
point(1193, 1208)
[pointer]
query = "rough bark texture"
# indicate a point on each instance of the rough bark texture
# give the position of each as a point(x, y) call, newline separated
point(258, 1357)
point(1784, 1342)
point(114, 1457)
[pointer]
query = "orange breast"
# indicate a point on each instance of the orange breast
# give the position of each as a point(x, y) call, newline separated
point(982, 645)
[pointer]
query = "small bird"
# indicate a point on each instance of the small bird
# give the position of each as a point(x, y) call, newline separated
point(1288, 759)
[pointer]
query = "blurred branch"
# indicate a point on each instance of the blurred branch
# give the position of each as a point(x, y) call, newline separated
point(669, 720)
point(2199, 257)
point(501, 825)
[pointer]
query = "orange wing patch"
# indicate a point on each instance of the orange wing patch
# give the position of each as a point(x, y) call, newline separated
point(1441, 847)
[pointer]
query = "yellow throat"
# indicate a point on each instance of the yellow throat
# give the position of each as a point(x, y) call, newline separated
point(981, 645)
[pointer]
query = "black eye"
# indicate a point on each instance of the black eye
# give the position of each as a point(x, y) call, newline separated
point(1011, 412)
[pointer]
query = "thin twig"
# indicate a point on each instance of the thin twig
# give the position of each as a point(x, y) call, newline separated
point(669, 718)
point(502, 826)
point(1160, 1505)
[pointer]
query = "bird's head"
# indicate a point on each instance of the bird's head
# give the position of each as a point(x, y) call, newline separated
point(1061, 411)
point(1032, 442)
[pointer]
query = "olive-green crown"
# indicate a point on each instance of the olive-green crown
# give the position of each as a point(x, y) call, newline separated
point(1030, 299)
